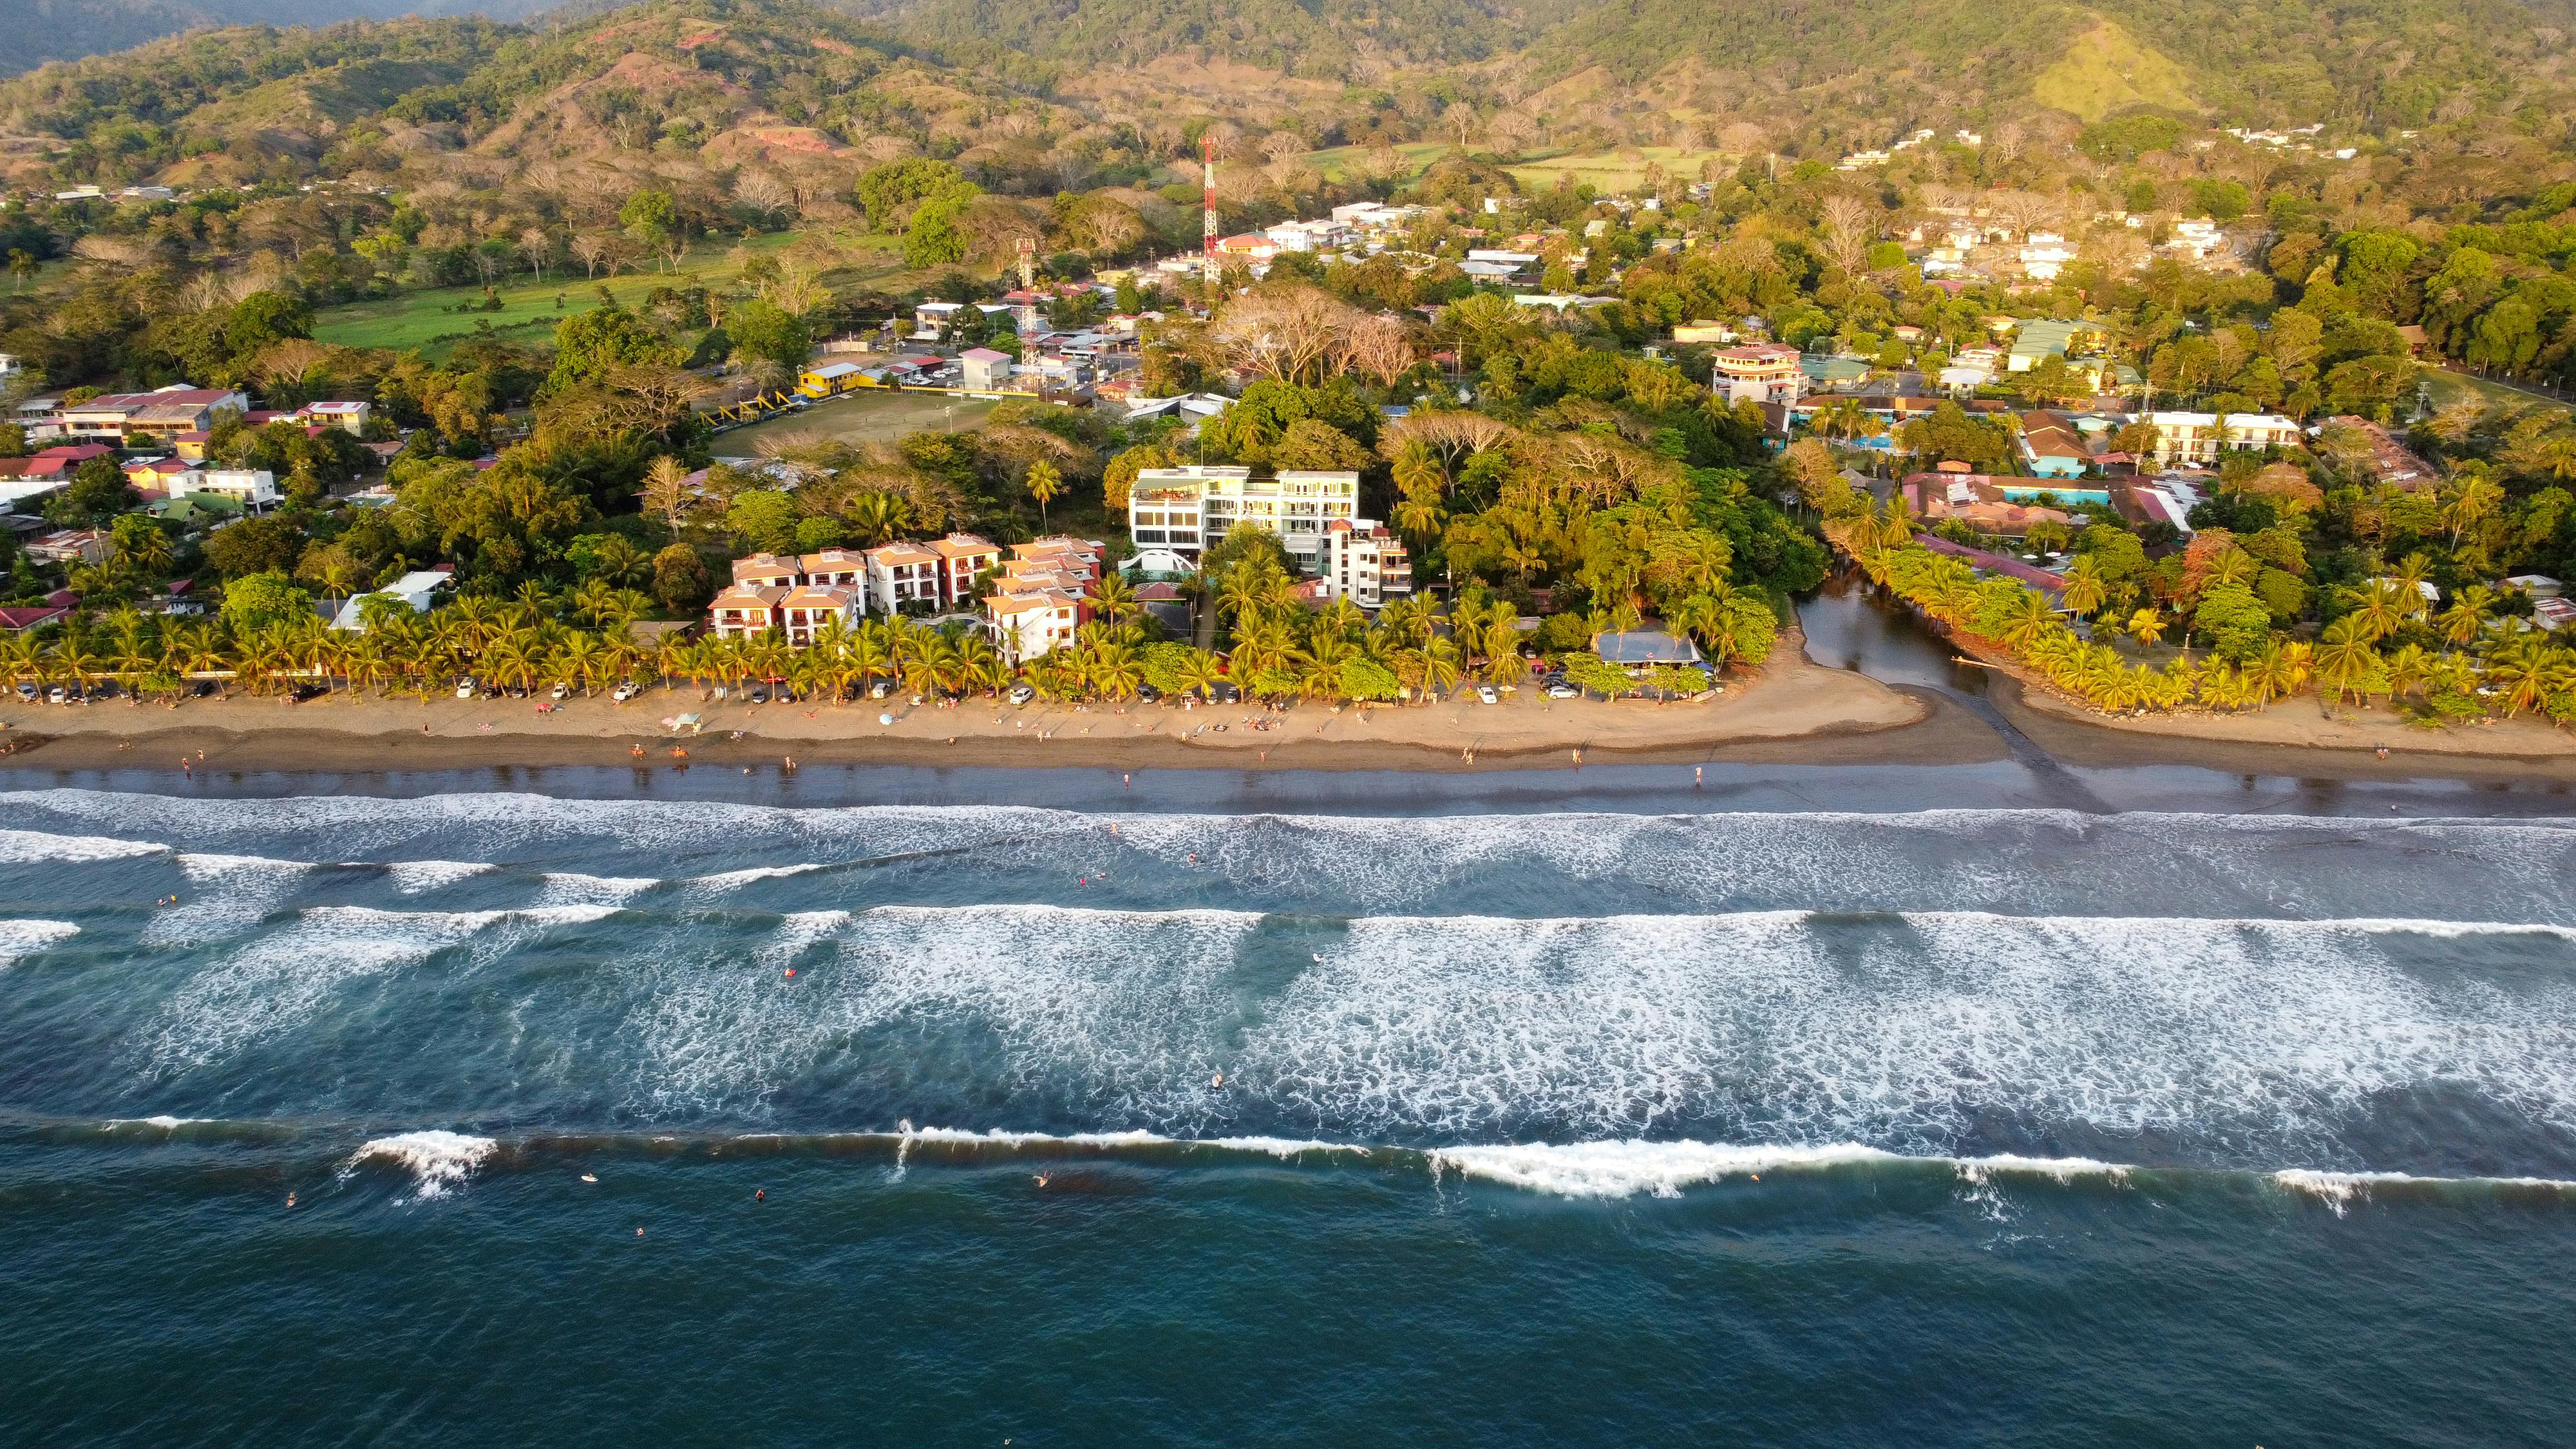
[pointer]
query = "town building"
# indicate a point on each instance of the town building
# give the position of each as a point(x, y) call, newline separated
point(745, 610)
point(120, 417)
point(900, 574)
point(808, 610)
point(1364, 563)
point(348, 416)
point(962, 558)
point(986, 370)
point(2198, 438)
point(1190, 509)
point(253, 488)
point(2051, 447)
point(415, 590)
point(1762, 372)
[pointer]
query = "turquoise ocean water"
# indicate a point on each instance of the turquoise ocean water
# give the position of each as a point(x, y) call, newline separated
point(1816, 1108)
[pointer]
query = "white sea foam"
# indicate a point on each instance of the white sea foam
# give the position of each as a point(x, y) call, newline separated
point(2037, 861)
point(1911, 1032)
point(1626, 1168)
point(2339, 1190)
point(1124, 1005)
point(36, 847)
point(225, 895)
point(412, 877)
point(733, 879)
point(283, 979)
point(565, 887)
point(437, 1160)
point(25, 938)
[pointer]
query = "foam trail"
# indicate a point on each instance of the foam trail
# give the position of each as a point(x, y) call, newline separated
point(734, 879)
point(2035, 861)
point(25, 938)
point(2339, 1190)
point(1624, 1169)
point(413, 877)
point(438, 1160)
point(565, 887)
point(284, 979)
point(225, 895)
point(36, 847)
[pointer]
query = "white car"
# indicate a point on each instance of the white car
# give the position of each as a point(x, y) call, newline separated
point(562, 690)
point(626, 691)
point(1486, 693)
point(465, 689)
point(1562, 691)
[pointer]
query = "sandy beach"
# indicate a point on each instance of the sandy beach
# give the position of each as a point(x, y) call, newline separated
point(1791, 709)
point(1792, 712)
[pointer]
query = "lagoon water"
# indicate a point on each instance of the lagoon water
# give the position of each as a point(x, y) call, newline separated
point(1545, 1124)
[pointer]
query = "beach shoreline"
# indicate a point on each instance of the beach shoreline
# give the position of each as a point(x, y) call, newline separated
point(1792, 711)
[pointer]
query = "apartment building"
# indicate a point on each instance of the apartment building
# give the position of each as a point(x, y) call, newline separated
point(962, 558)
point(900, 574)
point(1364, 563)
point(2199, 438)
point(808, 609)
point(1190, 509)
point(1763, 372)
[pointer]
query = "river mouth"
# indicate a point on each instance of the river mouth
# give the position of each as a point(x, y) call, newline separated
point(1851, 624)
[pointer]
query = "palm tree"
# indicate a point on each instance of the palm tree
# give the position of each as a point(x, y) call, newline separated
point(2380, 608)
point(2519, 668)
point(1044, 483)
point(981, 666)
point(581, 660)
point(1199, 673)
point(2408, 669)
point(2467, 615)
point(2346, 662)
point(2085, 588)
point(2147, 625)
point(1115, 670)
point(1112, 598)
point(2028, 616)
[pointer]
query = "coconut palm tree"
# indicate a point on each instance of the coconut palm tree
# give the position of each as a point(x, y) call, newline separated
point(2380, 607)
point(2026, 617)
point(1199, 673)
point(1115, 670)
point(2467, 615)
point(1114, 599)
point(2345, 660)
point(2519, 669)
point(2085, 588)
point(2147, 625)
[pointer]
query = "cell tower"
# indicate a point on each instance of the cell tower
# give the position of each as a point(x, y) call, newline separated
point(1028, 263)
point(1207, 222)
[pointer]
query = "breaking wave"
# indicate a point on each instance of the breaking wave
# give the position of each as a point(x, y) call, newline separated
point(25, 938)
point(437, 1160)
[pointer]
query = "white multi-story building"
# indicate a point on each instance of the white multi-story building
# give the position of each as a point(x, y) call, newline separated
point(1190, 509)
point(1024, 625)
point(809, 609)
point(2198, 438)
point(1365, 564)
point(253, 488)
point(900, 574)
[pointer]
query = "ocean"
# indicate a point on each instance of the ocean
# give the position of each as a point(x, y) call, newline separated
point(1571, 1110)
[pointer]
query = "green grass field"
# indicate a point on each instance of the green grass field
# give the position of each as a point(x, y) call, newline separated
point(1608, 171)
point(860, 417)
point(429, 322)
point(2442, 389)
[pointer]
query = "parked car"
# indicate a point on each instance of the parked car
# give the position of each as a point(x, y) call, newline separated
point(1224, 692)
point(625, 691)
point(1486, 693)
point(202, 689)
point(1562, 690)
point(758, 694)
point(1021, 694)
point(563, 690)
point(57, 695)
point(1149, 694)
point(29, 692)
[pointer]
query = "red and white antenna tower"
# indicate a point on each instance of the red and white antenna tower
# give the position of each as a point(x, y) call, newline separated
point(1207, 223)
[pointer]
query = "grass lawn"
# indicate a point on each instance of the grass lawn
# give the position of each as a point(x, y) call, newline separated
point(1341, 163)
point(867, 416)
point(1609, 171)
point(428, 320)
point(2442, 389)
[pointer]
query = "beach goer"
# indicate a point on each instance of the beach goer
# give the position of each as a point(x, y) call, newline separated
point(1698, 772)
point(1042, 1181)
point(290, 1199)
point(760, 1194)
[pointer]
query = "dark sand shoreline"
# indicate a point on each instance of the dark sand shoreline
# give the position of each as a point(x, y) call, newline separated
point(1948, 733)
